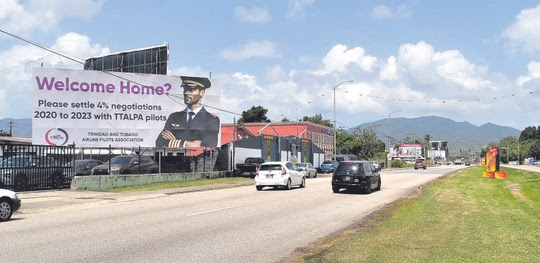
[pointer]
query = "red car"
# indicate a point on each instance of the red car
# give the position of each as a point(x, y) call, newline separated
point(419, 163)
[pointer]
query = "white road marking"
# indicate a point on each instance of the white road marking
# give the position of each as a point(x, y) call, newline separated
point(214, 210)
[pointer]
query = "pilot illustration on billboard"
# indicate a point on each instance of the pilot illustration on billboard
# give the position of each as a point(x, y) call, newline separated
point(194, 126)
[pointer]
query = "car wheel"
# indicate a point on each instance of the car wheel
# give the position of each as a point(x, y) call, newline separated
point(368, 190)
point(415, 168)
point(315, 175)
point(378, 185)
point(21, 183)
point(425, 168)
point(335, 189)
point(303, 184)
point(259, 188)
point(57, 181)
point(6, 210)
point(288, 186)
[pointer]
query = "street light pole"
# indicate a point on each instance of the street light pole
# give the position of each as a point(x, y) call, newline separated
point(389, 160)
point(335, 127)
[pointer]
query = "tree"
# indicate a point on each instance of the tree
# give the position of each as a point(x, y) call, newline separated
point(285, 119)
point(361, 142)
point(317, 119)
point(255, 114)
point(530, 133)
point(3, 133)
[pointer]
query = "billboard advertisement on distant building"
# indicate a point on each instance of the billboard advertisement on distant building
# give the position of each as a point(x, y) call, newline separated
point(407, 151)
point(98, 109)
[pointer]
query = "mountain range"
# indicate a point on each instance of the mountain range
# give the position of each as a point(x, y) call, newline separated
point(459, 135)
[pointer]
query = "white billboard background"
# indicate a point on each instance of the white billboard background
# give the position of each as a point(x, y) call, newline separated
point(98, 109)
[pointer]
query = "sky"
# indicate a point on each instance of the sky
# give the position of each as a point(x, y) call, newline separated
point(474, 61)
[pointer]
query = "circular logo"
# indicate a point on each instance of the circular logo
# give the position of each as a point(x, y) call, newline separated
point(56, 137)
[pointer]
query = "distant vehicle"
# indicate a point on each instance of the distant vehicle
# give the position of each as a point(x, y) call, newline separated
point(420, 164)
point(84, 167)
point(19, 172)
point(308, 169)
point(279, 174)
point(378, 165)
point(356, 175)
point(513, 163)
point(127, 164)
point(328, 166)
point(467, 163)
point(250, 166)
point(458, 162)
point(9, 203)
point(345, 157)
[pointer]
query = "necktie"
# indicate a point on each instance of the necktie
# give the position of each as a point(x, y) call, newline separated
point(190, 119)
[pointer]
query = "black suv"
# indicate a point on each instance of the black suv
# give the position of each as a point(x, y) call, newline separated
point(127, 164)
point(356, 175)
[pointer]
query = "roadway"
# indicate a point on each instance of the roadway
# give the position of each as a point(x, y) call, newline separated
point(226, 225)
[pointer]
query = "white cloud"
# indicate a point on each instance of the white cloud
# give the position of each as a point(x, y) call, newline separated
point(43, 15)
point(296, 7)
point(275, 73)
point(251, 49)
point(451, 65)
point(389, 71)
point(524, 33)
point(385, 12)
point(534, 73)
point(252, 15)
point(338, 59)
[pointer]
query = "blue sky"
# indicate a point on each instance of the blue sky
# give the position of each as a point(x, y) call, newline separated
point(475, 61)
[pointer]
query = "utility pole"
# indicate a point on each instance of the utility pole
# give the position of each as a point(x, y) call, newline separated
point(11, 125)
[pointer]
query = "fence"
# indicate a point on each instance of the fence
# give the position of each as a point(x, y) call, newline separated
point(29, 167)
point(34, 167)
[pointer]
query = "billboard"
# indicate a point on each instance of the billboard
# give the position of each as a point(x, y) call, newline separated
point(407, 151)
point(151, 60)
point(98, 109)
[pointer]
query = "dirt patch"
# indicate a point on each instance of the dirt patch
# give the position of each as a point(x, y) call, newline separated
point(515, 189)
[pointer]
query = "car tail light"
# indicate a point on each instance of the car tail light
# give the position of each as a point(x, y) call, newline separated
point(257, 172)
point(283, 171)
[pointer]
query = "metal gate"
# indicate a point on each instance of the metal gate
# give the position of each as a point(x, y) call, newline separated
point(32, 167)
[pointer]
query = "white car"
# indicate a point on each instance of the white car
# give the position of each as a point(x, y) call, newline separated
point(279, 174)
point(308, 169)
point(9, 203)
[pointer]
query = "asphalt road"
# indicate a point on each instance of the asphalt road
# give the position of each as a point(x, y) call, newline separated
point(226, 225)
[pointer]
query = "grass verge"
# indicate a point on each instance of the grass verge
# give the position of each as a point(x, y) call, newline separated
point(460, 218)
point(222, 182)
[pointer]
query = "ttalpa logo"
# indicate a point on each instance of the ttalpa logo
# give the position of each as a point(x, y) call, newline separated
point(56, 137)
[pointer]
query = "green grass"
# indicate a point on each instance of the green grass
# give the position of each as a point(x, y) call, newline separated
point(460, 218)
point(229, 182)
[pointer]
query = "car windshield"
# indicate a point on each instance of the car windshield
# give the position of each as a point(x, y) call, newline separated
point(270, 167)
point(419, 161)
point(301, 164)
point(121, 160)
point(328, 162)
point(80, 164)
point(349, 168)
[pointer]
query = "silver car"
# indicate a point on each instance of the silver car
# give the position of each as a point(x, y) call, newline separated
point(9, 203)
point(308, 169)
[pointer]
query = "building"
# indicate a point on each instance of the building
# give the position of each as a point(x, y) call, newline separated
point(321, 136)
